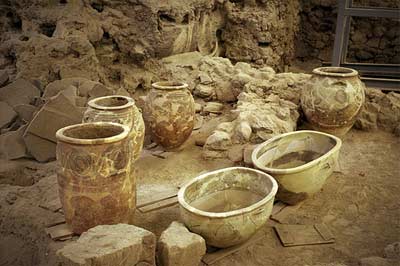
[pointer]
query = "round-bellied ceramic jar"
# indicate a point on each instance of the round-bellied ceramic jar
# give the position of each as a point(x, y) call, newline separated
point(119, 109)
point(170, 113)
point(333, 99)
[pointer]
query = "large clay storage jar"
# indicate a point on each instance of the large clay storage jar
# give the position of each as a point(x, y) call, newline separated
point(333, 99)
point(96, 185)
point(122, 110)
point(170, 113)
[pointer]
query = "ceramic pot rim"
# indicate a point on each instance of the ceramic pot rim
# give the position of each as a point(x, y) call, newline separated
point(94, 103)
point(60, 134)
point(241, 211)
point(298, 168)
point(169, 85)
point(335, 71)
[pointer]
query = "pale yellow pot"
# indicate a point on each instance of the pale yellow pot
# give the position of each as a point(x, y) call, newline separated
point(285, 158)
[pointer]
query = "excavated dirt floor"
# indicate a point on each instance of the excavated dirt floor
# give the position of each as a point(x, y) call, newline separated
point(360, 204)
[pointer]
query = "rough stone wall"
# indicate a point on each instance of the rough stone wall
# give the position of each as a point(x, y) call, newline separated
point(119, 42)
point(371, 39)
point(261, 32)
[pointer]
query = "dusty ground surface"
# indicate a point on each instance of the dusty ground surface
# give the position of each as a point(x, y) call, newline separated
point(359, 203)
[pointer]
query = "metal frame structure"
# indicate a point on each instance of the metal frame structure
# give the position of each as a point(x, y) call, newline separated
point(376, 75)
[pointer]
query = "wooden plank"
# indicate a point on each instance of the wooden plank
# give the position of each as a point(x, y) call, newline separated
point(301, 235)
point(213, 257)
point(166, 196)
point(282, 215)
point(60, 231)
point(56, 221)
point(159, 205)
point(324, 231)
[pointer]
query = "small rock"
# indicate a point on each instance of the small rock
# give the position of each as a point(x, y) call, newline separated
point(7, 115)
point(242, 132)
point(25, 111)
point(99, 90)
point(13, 145)
point(177, 246)
point(19, 92)
point(213, 107)
point(3, 77)
point(211, 154)
point(248, 150)
point(392, 251)
point(123, 92)
point(198, 107)
point(219, 141)
point(378, 261)
point(203, 91)
point(80, 101)
point(11, 198)
point(200, 140)
point(104, 245)
point(198, 122)
point(235, 154)
point(70, 93)
point(41, 149)
point(204, 78)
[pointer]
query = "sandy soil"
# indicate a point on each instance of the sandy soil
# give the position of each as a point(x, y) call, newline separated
point(360, 204)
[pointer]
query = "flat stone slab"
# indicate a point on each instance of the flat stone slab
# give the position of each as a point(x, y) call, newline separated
point(106, 245)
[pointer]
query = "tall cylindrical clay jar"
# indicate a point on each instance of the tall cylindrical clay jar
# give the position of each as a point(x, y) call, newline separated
point(119, 109)
point(333, 99)
point(96, 185)
point(170, 113)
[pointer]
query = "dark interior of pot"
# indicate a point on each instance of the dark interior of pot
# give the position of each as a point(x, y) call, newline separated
point(112, 101)
point(228, 190)
point(93, 131)
point(294, 150)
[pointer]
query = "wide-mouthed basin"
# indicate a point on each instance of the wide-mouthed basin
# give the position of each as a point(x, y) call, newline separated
point(300, 161)
point(227, 206)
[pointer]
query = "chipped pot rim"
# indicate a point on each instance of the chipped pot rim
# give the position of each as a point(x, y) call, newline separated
point(270, 196)
point(169, 85)
point(94, 103)
point(124, 131)
point(335, 71)
point(302, 167)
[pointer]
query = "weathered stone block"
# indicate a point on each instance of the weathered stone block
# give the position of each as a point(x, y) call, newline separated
point(177, 246)
point(57, 113)
point(7, 114)
point(109, 245)
point(41, 149)
point(12, 144)
point(19, 92)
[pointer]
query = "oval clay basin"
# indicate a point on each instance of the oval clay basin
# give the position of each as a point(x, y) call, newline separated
point(226, 207)
point(300, 161)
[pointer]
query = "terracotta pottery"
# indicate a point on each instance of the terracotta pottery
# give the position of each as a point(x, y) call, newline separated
point(96, 185)
point(170, 113)
point(119, 109)
point(228, 206)
point(333, 99)
point(300, 161)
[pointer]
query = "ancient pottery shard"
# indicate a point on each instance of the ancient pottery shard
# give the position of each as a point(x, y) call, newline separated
point(96, 184)
point(226, 207)
point(300, 161)
point(333, 99)
point(170, 113)
point(119, 109)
